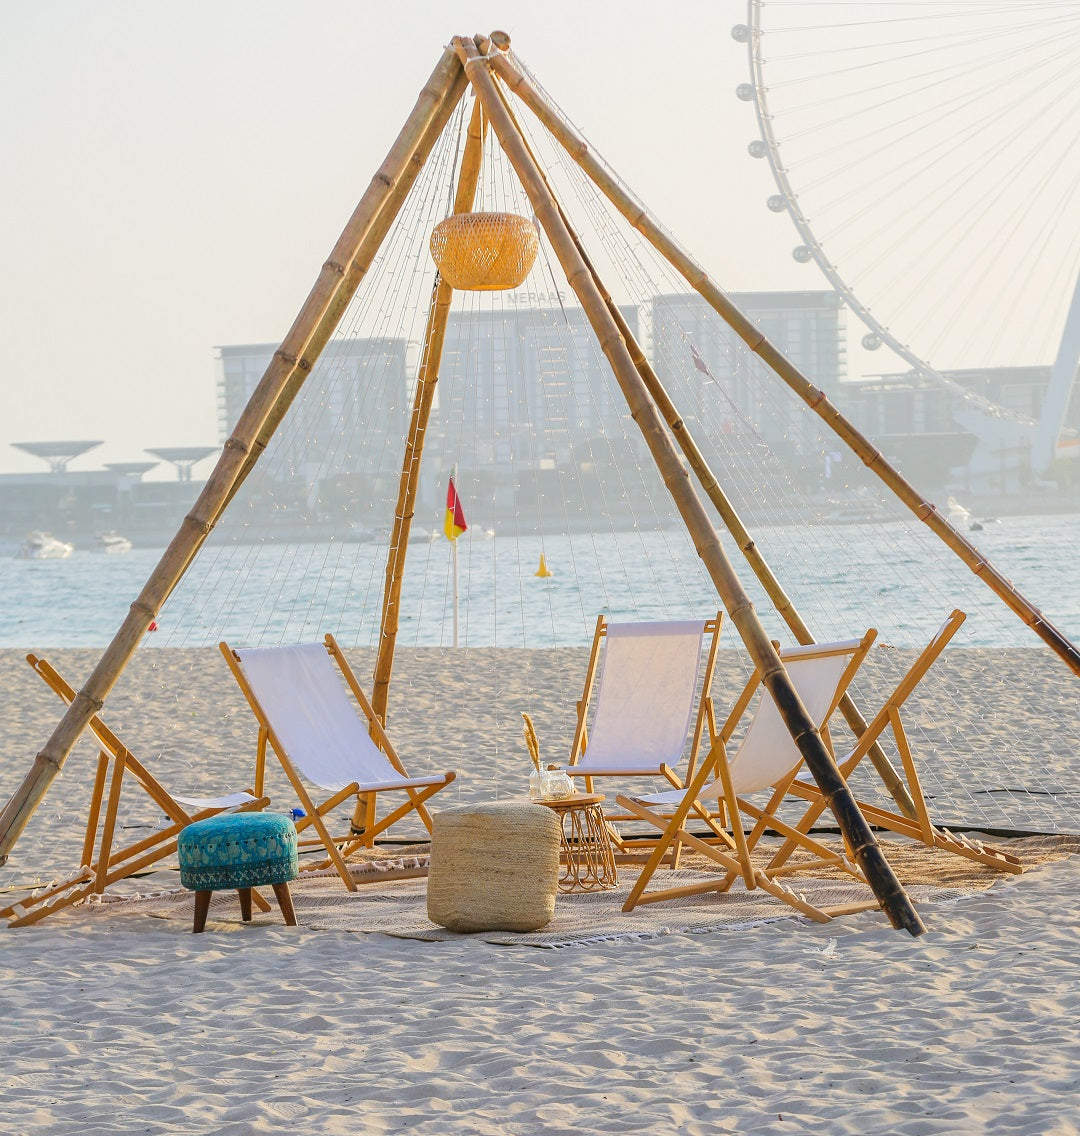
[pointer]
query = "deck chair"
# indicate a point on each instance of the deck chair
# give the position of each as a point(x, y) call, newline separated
point(307, 718)
point(766, 759)
point(104, 862)
point(921, 828)
point(645, 703)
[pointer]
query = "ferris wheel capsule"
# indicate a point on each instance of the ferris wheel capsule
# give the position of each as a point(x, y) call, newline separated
point(745, 92)
point(802, 254)
point(777, 203)
point(740, 33)
point(871, 342)
point(758, 149)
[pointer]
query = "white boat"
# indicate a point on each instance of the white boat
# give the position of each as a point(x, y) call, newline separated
point(957, 515)
point(44, 546)
point(113, 542)
point(853, 511)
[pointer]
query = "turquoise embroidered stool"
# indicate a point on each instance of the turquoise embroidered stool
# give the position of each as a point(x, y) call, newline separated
point(241, 851)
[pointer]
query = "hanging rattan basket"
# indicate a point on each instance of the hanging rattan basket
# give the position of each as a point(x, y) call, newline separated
point(484, 252)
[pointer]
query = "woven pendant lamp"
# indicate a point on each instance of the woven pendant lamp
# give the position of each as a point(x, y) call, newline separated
point(484, 252)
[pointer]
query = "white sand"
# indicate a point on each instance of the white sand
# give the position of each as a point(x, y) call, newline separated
point(135, 1025)
point(844, 1028)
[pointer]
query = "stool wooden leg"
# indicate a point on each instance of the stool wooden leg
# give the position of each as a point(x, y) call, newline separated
point(202, 906)
point(284, 898)
point(245, 903)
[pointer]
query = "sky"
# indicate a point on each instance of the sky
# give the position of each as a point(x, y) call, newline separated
point(175, 174)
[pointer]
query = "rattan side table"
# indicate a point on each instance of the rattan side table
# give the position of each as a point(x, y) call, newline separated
point(588, 859)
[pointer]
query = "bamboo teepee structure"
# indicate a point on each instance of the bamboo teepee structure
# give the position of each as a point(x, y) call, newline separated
point(487, 67)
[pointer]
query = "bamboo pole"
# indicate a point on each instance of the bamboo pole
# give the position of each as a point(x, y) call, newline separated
point(637, 215)
point(819, 761)
point(198, 523)
point(434, 337)
point(787, 611)
point(471, 160)
point(712, 488)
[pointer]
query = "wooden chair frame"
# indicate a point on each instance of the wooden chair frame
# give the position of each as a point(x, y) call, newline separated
point(733, 851)
point(337, 849)
point(921, 828)
point(103, 863)
point(703, 719)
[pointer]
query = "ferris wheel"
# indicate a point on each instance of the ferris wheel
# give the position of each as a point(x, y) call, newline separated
point(928, 154)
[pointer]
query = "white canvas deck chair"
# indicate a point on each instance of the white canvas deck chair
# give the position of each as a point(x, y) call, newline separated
point(103, 862)
point(766, 759)
point(645, 702)
point(921, 828)
point(306, 716)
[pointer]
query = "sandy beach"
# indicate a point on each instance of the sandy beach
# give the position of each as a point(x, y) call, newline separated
point(128, 1023)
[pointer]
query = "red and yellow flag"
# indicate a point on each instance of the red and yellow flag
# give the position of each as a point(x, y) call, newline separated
point(454, 525)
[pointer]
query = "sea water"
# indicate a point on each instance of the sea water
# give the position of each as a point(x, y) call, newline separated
point(295, 592)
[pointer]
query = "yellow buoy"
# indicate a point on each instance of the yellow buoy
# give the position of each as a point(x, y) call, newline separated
point(543, 570)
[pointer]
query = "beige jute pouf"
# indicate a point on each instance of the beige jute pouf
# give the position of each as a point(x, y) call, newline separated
point(494, 867)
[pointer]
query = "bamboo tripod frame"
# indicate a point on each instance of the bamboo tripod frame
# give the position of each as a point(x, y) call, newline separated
point(478, 62)
point(286, 375)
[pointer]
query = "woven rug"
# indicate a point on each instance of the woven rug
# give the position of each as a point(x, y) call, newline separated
point(390, 905)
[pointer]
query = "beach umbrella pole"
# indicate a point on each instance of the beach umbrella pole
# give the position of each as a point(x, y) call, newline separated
point(857, 834)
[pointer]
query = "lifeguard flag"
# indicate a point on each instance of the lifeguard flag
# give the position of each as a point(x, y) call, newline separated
point(454, 525)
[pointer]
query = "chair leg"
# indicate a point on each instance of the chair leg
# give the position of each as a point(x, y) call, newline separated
point(202, 906)
point(284, 898)
point(245, 903)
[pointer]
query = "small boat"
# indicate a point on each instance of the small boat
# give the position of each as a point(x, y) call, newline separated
point(44, 546)
point(956, 514)
point(113, 542)
point(854, 511)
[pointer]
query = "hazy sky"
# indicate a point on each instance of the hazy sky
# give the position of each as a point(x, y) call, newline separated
point(174, 175)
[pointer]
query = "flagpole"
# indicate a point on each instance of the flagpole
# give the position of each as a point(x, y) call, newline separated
point(454, 526)
point(453, 554)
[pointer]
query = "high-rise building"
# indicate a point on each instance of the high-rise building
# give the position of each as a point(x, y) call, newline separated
point(332, 433)
point(807, 327)
point(527, 384)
